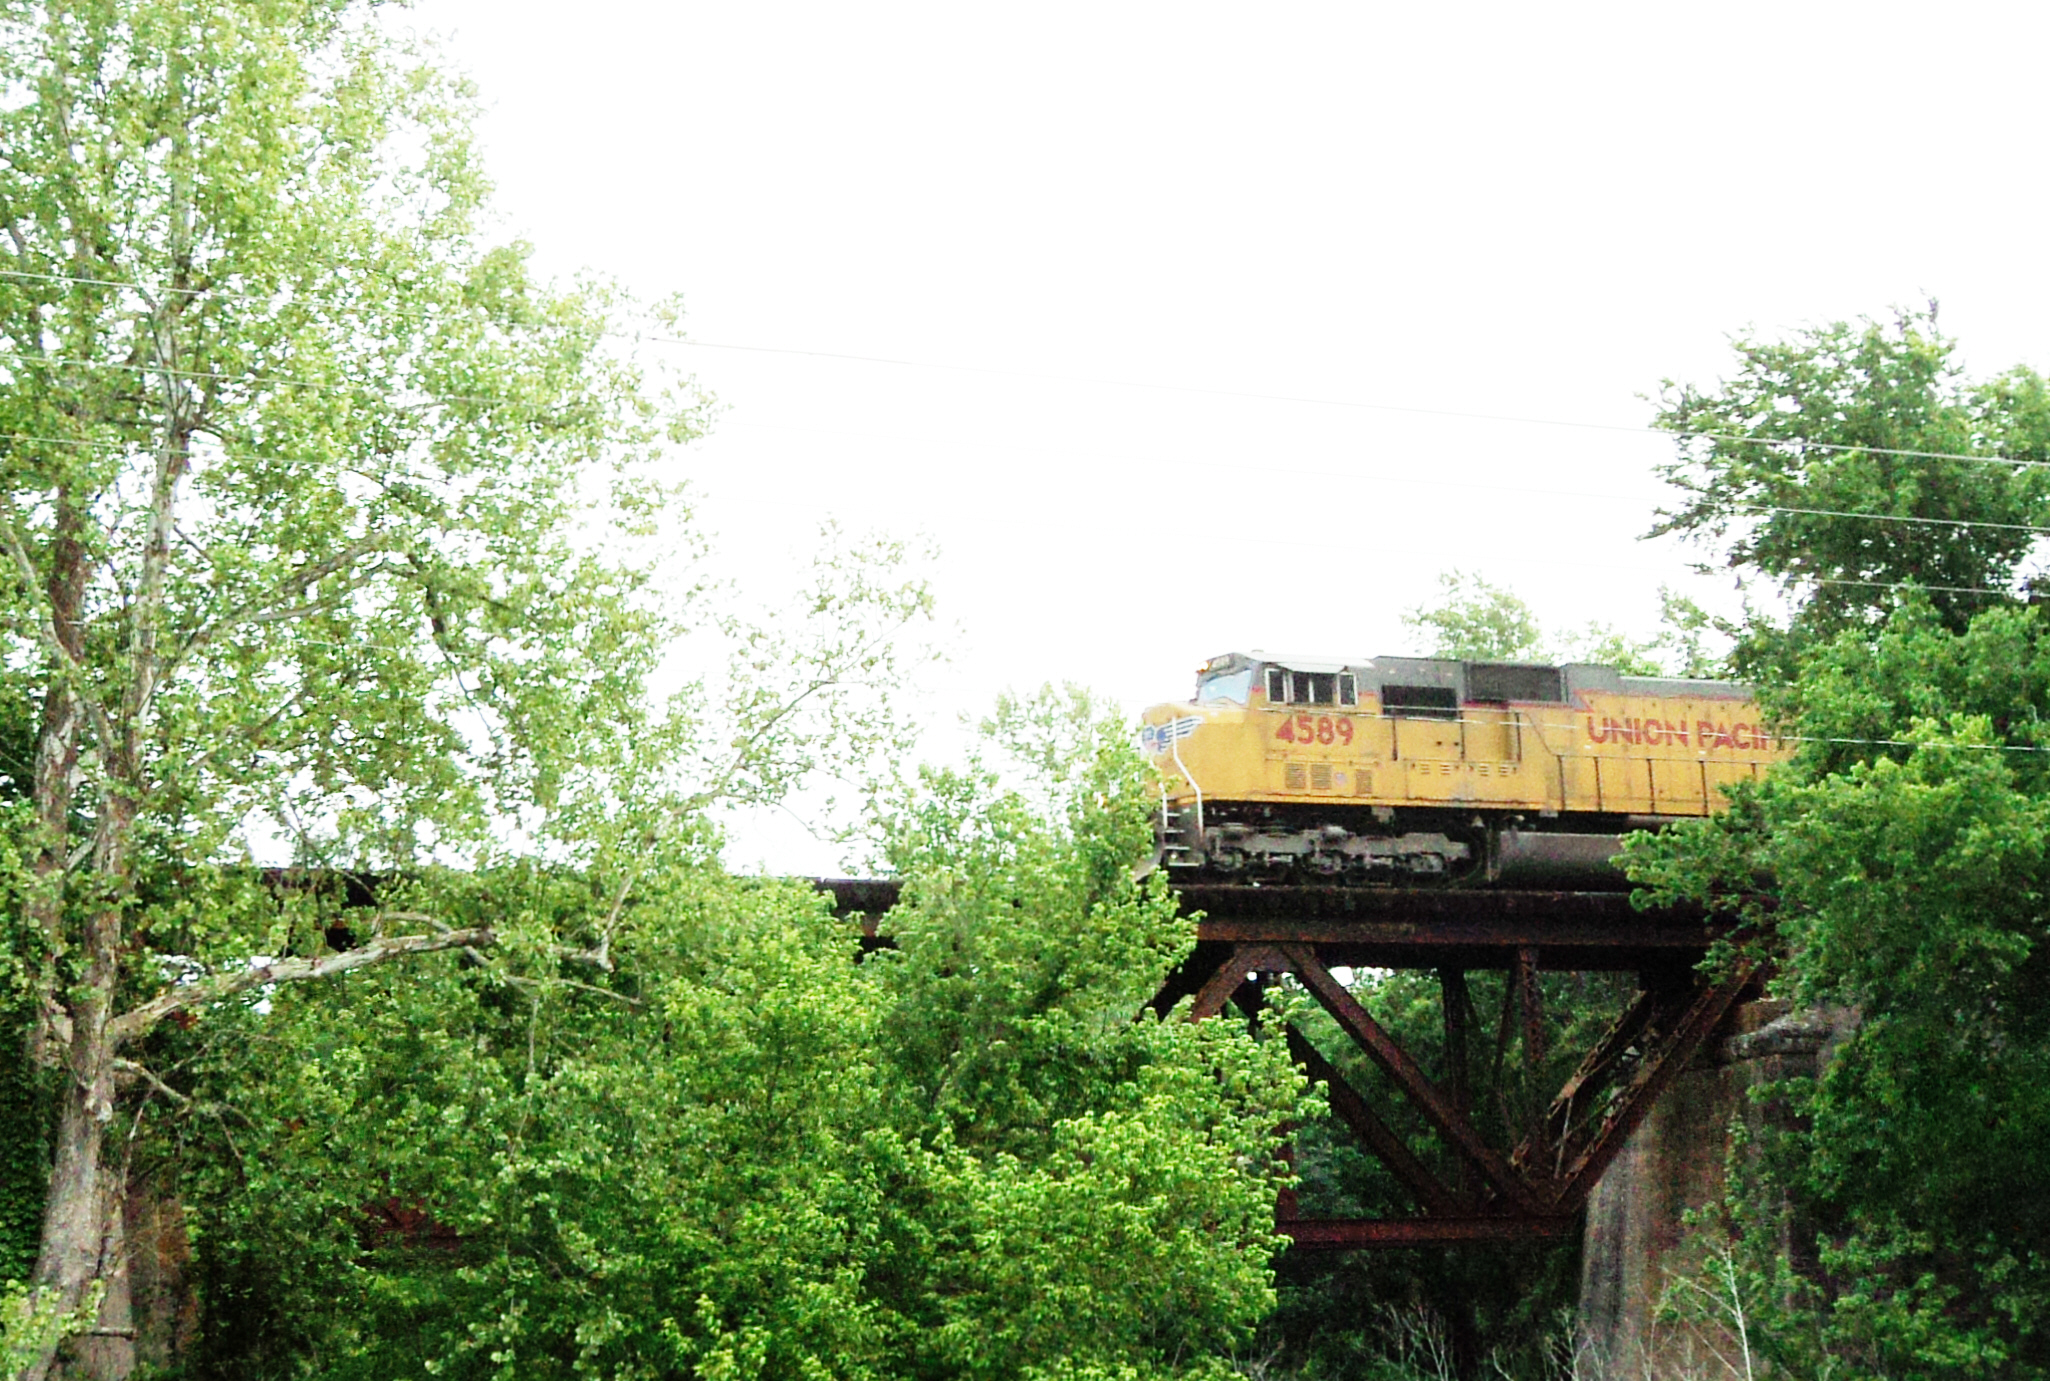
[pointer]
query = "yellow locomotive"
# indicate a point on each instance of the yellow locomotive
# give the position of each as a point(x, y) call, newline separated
point(1413, 769)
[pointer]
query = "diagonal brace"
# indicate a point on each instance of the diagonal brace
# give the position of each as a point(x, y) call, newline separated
point(1582, 1091)
point(1659, 1067)
point(1231, 975)
point(1394, 1061)
point(1379, 1137)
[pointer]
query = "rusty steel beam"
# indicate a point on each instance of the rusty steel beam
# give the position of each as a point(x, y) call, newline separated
point(1231, 975)
point(1651, 1076)
point(868, 896)
point(1542, 1185)
point(1530, 1003)
point(1395, 1062)
point(1456, 1006)
point(1393, 927)
point(1564, 945)
point(1345, 1234)
point(1408, 906)
point(1584, 1087)
point(1379, 1137)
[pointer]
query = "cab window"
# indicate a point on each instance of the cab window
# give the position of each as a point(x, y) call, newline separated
point(1285, 687)
point(1225, 687)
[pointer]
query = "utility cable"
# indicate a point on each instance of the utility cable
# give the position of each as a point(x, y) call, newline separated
point(1198, 389)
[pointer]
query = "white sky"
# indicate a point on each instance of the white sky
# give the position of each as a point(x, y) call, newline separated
point(1104, 224)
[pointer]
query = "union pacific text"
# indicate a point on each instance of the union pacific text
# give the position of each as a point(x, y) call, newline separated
point(1705, 733)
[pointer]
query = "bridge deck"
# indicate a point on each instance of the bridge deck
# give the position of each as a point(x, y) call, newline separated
point(1452, 928)
point(1398, 928)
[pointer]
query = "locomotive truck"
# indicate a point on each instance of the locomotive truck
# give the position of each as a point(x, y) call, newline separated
point(1414, 770)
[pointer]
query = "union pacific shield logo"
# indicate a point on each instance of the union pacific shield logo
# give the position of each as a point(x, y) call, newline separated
point(1155, 739)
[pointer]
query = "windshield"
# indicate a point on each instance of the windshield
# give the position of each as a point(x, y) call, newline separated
point(1225, 686)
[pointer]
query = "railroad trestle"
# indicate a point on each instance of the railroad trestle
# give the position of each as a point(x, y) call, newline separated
point(1249, 936)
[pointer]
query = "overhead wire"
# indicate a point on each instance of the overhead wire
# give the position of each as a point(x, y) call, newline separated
point(1776, 738)
point(785, 505)
point(1311, 400)
point(1198, 389)
point(1755, 508)
point(319, 385)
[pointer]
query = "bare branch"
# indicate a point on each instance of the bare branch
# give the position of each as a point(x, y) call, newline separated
point(142, 1072)
point(744, 747)
point(215, 987)
point(601, 957)
point(280, 607)
point(542, 983)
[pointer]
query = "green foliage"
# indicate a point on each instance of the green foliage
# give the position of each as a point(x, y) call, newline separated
point(30, 1327)
point(1888, 1224)
point(1473, 620)
point(24, 1154)
point(1910, 851)
point(331, 534)
point(742, 1153)
point(250, 301)
point(1777, 462)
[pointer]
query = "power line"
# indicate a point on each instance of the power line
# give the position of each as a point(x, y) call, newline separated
point(72, 441)
point(1960, 523)
point(438, 399)
point(785, 505)
point(1197, 389)
point(1550, 491)
point(1566, 725)
point(1311, 400)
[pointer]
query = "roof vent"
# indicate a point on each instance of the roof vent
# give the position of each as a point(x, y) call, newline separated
point(1420, 702)
point(1501, 682)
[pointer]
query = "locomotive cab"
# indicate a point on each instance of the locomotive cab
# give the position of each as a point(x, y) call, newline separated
point(1409, 769)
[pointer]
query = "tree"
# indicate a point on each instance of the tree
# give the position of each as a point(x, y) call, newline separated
point(328, 529)
point(1891, 1228)
point(1909, 846)
point(744, 1153)
point(1855, 459)
point(1474, 620)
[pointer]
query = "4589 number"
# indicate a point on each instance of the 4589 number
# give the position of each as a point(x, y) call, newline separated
point(1321, 728)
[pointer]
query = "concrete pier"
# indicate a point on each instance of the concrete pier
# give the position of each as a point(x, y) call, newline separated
point(1637, 1240)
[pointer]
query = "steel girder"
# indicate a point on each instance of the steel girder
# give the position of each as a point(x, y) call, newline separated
point(1533, 1190)
point(1536, 1189)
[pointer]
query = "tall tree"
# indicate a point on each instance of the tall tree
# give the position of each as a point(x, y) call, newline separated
point(1896, 504)
point(1909, 847)
point(1851, 460)
point(305, 487)
point(1472, 618)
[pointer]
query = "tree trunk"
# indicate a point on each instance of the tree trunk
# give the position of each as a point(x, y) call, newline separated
point(82, 1236)
point(82, 1230)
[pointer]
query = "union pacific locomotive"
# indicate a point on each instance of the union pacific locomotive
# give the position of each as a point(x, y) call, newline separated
point(1409, 770)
